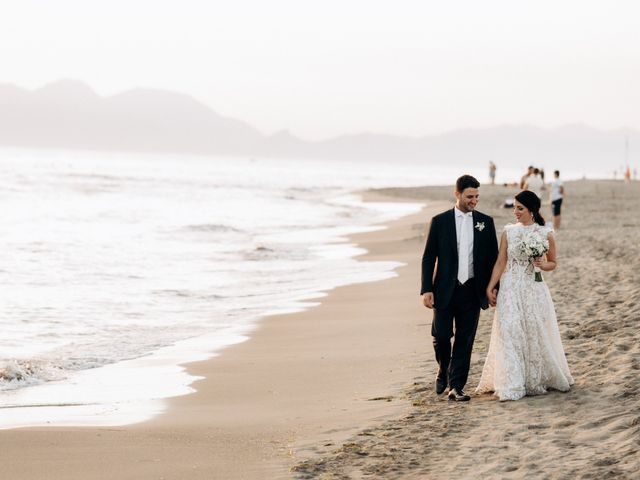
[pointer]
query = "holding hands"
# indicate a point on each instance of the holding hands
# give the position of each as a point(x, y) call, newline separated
point(492, 296)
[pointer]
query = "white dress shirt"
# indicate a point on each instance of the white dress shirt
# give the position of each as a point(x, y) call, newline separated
point(556, 186)
point(535, 184)
point(469, 237)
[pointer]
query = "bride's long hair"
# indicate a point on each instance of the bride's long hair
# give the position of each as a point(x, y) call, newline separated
point(532, 202)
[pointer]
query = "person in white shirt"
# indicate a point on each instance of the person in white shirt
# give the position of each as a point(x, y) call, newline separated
point(557, 194)
point(535, 183)
point(458, 260)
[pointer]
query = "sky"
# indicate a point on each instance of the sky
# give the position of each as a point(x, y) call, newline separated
point(325, 68)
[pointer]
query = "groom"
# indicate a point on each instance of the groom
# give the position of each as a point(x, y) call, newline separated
point(456, 268)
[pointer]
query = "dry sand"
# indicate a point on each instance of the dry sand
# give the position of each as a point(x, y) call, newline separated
point(591, 432)
point(345, 390)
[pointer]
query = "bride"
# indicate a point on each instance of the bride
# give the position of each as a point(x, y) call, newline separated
point(525, 352)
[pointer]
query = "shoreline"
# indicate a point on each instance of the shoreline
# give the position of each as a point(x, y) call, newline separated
point(345, 389)
point(592, 431)
point(136, 390)
point(299, 381)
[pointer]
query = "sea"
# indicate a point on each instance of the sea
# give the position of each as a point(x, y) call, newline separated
point(117, 269)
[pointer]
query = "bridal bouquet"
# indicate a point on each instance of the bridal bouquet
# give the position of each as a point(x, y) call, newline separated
point(534, 246)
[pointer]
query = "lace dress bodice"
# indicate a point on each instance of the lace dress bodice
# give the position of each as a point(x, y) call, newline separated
point(525, 354)
point(516, 235)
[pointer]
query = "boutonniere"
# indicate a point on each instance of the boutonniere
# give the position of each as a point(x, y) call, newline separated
point(480, 226)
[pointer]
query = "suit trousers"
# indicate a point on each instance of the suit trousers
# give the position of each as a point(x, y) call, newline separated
point(463, 312)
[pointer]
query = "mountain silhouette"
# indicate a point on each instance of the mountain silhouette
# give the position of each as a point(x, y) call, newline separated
point(69, 114)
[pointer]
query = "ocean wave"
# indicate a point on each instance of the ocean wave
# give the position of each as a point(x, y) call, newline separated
point(213, 227)
point(173, 292)
point(21, 373)
point(262, 252)
point(96, 176)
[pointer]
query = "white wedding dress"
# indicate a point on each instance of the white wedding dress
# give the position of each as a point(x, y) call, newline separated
point(525, 353)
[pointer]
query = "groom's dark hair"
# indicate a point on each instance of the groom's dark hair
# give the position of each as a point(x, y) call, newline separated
point(466, 181)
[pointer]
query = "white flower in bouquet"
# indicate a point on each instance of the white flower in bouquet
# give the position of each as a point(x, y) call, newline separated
point(535, 245)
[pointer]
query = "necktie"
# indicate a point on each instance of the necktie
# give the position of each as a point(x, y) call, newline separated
point(463, 255)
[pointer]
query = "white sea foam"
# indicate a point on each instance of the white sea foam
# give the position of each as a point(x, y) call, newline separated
point(119, 268)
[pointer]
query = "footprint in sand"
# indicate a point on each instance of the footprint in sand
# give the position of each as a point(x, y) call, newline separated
point(540, 426)
point(564, 424)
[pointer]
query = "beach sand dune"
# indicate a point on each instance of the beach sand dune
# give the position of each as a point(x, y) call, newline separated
point(591, 432)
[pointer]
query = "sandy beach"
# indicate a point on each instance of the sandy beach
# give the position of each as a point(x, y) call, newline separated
point(345, 389)
point(591, 432)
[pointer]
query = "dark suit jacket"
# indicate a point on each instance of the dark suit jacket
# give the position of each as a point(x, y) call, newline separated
point(440, 258)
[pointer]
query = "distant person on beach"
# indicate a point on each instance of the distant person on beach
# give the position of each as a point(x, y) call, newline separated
point(627, 174)
point(556, 196)
point(534, 183)
point(492, 172)
point(463, 244)
point(524, 178)
point(525, 355)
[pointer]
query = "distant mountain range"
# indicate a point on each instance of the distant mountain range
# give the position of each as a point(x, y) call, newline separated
point(69, 114)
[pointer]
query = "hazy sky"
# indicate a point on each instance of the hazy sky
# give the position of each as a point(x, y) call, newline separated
point(327, 67)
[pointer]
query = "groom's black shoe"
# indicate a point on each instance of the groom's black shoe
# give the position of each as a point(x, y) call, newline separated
point(458, 395)
point(441, 385)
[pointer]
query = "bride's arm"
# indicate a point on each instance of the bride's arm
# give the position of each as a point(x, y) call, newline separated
point(549, 263)
point(498, 269)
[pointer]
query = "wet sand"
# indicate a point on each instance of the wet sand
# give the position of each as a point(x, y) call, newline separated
point(301, 381)
point(345, 389)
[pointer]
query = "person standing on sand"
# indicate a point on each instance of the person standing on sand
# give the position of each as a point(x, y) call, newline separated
point(492, 172)
point(524, 178)
point(557, 194)
point(525, 355)
point(534, 183)
point(462, 242)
